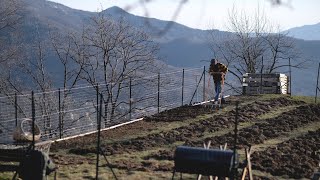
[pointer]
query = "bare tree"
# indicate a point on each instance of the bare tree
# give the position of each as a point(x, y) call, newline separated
point(9, 16)
point(9, 48)
point(33, 68)
point(10, 51)
point(254, 45)
point(119, 52)
point(280, 49)
point(71, 54)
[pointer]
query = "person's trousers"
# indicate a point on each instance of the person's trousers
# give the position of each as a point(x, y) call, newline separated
point(217, 88)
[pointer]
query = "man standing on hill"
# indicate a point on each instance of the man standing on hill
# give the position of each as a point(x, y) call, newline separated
point(218, 72)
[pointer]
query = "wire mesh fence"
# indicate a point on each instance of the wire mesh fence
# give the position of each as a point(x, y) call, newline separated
point(68, 112)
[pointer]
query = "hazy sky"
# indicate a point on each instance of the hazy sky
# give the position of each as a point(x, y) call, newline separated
point(206, 14)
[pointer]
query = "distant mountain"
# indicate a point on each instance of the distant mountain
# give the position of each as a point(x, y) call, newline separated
point(307, 32)
point(186, 53)
point(162, 31)
point(180, 46)
point(53, 15)
point(304, 80)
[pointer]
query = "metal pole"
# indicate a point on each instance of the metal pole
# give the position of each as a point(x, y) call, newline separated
point(60, 117)
point(16, 108)
point(290, 76)
point(317, 88)
point(204, 83)
point(99, 133)
point(261, 76)
point(182, 87)
point(130, 98)
point(197, 92)
point(158, 92)
point(33, 119)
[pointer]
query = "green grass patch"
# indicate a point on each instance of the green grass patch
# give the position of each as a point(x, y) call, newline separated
point(267, 97)
point(306, 99)
point(6, 175)
point(277, 112)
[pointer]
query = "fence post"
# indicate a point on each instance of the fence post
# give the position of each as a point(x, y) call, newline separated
point(159, 92)
point(16, 108)
point(290, 76)
point(317, 88)
point(60, 117)
point(261, 85)
point(33, 119)
point(97, 98)
point(130, 98)
point(99, 133)
point(204, 83)
point(182, 87)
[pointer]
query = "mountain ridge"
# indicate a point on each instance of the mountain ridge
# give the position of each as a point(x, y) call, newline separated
point(305, 32)
point(169, 30)
point(180, 46)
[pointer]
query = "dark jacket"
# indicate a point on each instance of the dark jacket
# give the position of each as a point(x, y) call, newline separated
point(216, 69)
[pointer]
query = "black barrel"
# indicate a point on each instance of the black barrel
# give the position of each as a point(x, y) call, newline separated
point(193, 160)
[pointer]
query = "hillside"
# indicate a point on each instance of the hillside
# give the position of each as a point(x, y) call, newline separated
point(180, 46)
point(283, 132)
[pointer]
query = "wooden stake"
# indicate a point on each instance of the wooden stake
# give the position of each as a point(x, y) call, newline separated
point(248, 167)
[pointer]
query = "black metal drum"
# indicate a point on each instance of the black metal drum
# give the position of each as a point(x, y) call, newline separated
point(215, 162)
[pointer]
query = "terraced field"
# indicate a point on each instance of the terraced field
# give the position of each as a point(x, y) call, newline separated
point(283, 132)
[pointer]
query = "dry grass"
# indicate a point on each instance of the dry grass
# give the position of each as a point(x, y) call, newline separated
point(86, 170)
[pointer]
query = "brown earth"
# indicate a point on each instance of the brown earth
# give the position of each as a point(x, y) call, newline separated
point(148, 145)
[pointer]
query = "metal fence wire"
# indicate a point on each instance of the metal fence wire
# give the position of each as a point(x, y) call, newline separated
point(68, 112)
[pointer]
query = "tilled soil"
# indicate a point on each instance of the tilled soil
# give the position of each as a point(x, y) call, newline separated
point(270, 128)
point(296, 158)
point(195, 133)
point(196, 130)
